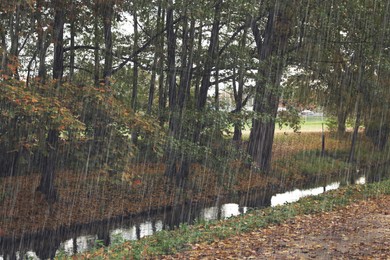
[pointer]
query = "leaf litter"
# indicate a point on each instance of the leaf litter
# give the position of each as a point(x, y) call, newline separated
point(358, 231)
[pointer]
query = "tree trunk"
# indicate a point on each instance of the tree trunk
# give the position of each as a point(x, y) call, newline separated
point(152, 85)
point(72, 41)
point(199, 50)
point(358, 112)
point(13, 59)
point(186, 67)
point(171, 169)
point(96, 68)
point(58, 36)
point(108, 12)
point(134, 134)
point(355, 133)
point(3, 34)
point(42, 44)
point(211, 56)
point(178, 162)
point(47, 185)
point(208, 66)
point(162, 90)
point(271, 48)
point(238, 94)
point(341, 121)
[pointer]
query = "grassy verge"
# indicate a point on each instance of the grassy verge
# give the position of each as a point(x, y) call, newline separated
point(170, 242)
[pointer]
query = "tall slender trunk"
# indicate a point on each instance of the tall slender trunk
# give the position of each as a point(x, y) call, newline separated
point(14, 34)
point(152, 85)
point(134, 134)
point(162, 90)
point(216, 85)
point(135, 66)
point(58, 36)
point(96, 68)
point(208, 66)
point(3, 33)
point(171, 169)
point(238, 94)
point(42, 43)
point(183, 94)
point(72, 41)
point(177, 130)
point(211, 56)
point(199, 50)
point(108, 12)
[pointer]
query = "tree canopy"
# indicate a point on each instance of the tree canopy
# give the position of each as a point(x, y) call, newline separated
point(87, 84)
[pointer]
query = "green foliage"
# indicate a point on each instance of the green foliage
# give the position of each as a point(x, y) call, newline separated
point(331, 124)
point(92, 123)
point(290, 118)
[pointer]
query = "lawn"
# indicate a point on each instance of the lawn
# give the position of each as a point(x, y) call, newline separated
point(310, 124)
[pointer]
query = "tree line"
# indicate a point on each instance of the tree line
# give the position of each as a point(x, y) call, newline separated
point(92, 84)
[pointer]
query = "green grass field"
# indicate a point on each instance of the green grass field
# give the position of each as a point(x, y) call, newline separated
point(310, 124)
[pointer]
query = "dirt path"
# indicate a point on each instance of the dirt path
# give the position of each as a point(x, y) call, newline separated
point(358, 231)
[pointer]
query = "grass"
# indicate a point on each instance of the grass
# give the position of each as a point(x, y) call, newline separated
point(310, 124)
point(170, 242)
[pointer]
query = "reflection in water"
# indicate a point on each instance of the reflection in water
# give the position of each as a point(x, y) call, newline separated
point(295, 195)
point(209, 213)
point(361, 180)
point(78, 245)
point(81, 239)
point(222, 212)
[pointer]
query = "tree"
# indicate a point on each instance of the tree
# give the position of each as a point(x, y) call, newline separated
point(271, 50)
point(47, 185)
point(107, 9)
